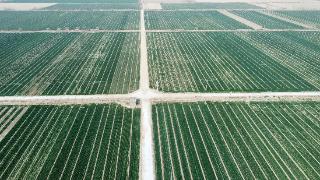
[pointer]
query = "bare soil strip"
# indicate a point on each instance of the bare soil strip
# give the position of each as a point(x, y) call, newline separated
point(158, 97)
point(147, 169)
point(7, 130)
point(240, 19)
point(24, 6)
point(64, 99)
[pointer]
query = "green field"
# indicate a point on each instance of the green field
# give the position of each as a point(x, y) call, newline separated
point(42, 20)
point(173, 6)
point(93, 7)
point(68, 63)
point(266, 21)
point(190, 20)
point(234, 62)
point(73, 142)
point(307, 17)
point(8, 115)
point(237, 140)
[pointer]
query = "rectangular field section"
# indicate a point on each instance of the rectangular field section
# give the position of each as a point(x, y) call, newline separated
point(72, 142)
point(237, 140)
point(311, 18)
point(53, 20)
point(94, 7)
point(190, 20)
point(265, 21)
point(234, 62)
point(174, 6)
point(68, 63)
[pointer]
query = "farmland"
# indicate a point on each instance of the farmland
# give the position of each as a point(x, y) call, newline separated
point(190, 20)
point(297, 51)
point(266, 21)
point(68, 63)
point(173, 6)
point(89, 141)
point(237, 140)
point(231, 62)
point(93, 7)
point(42, 20)
point(308, 17)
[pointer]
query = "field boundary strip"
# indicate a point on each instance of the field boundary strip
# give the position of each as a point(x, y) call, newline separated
point(158, 97)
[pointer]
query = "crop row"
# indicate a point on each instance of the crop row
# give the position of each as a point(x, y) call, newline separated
point(93, 7)
point(72, 142)
point(69, 63)
point(237, 140)
point(307, 17)
point(42, 20)
point(190, 20)
point(265, 20)
point(173, 6)
point(226, 61)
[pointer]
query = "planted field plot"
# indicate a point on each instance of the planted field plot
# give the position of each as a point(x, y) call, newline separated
point(307, 17)
point(266, 21)
point(42, 20)
point(190, 20)
point(237, 140)
point(228, 62)
point(297, 51)
point(209, 6)
point(73, 142)
point(69, 63)
point(94, 7)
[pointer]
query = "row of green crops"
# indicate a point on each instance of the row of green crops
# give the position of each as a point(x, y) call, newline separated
point(53, 20)
point(306, 17)
point(73, 142)
point(190, 20)
point(237, 140)
point(93, 7)
point(69, 63)
point(266, 21)
point(174, 6)
point(234, 62)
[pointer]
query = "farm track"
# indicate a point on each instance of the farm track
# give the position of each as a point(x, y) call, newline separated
point(158, 97)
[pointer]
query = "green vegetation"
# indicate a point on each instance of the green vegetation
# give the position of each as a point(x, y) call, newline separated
point(266, 21)
point(297, 51)
point(42, 20)
point(190, 20)
point(68, 63)
point(307, 17)
point(92, 7)
point(237, 140)
point(208, 6)
point(73, 142)
point(234, 62)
